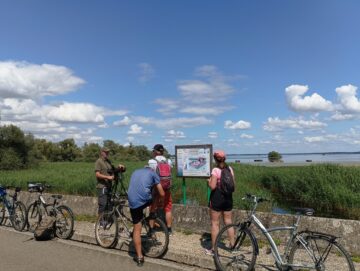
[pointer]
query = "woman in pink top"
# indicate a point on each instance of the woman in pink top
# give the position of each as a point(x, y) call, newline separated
point(220, 204)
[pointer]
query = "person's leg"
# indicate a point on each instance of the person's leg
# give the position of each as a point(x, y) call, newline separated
point(215, 219)
point(137, 240)
point(102, 200)
point(137, 215)
point(168, 210)
point(227, 221)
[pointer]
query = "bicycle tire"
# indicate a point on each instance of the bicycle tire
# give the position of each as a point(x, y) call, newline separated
point(2, 212)
point(64, 224)
point(18, 216)
point(33, 216)
point(336, 258)
point(106, 230)
point(242, 256)
point(154, 244)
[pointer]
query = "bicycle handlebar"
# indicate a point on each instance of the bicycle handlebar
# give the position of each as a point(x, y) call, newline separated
point(254, 198)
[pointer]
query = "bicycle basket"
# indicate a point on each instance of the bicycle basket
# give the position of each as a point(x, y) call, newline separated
point(2, 191)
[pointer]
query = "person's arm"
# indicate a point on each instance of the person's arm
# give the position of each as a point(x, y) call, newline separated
point(104, 177)
point(160, 190)
point(212, 182)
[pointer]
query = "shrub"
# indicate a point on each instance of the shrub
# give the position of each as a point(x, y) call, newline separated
point(274, 156)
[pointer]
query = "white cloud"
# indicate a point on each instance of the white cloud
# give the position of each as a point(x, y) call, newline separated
point(26, 80)
point(124, 122)
point(241, 125)
point(135, 129)
point(313, 103)
point(276, 124)
point(246, 136)
point(175, 134)
point(315, 139)
point(147, 72)
point(167, 106)
point(348, 99)
point(213, 110)
point(213, 135)
point(75, 112)
point(341, 116)
point(172, 123)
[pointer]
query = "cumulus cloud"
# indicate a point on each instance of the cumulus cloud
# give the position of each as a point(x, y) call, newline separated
point(240, 125)
point(338, 116)
point(277, 124)
point(75, 112)
point(26, 80)
point(348, 99)
point(314, 103)
point(135, 129)
point(147, 72)
point(124, 122)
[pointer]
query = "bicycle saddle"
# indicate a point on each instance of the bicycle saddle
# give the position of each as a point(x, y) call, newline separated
point(304, 211)
point(56, 196)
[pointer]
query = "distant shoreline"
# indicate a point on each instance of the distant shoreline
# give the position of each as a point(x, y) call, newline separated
point(281, 164)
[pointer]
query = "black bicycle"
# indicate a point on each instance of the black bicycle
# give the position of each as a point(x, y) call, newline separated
point(115, 224)
point(11, 208)
point(64, 224)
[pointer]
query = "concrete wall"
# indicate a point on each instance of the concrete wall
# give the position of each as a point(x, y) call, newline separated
point(196, 219)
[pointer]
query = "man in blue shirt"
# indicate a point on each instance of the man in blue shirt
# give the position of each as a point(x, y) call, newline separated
point(141, 184)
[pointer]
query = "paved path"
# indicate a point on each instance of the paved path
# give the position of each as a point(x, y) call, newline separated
point(184, 248)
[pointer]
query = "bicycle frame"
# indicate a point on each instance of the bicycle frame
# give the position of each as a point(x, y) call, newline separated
point(274, 249)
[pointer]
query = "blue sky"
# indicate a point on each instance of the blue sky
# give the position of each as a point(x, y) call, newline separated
point(246, 76)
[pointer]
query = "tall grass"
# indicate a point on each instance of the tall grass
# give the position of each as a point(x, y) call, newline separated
point(332, 190)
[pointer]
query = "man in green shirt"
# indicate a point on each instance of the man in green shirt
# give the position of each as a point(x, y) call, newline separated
point(104, 172)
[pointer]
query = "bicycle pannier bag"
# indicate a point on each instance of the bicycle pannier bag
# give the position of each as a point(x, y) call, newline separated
point(163, 169)
point(46, 229)
point(227, 181)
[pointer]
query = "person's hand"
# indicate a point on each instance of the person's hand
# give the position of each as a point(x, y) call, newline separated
point(122, 168)
point(110, 178)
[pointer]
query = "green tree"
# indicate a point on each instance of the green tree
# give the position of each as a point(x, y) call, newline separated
point(90, 152)
point(15, 148)
point(274, 156)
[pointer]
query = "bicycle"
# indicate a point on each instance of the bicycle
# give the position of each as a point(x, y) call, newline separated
point(116, 224)
point(11, 208)
point(305, 250)
point(64, 223)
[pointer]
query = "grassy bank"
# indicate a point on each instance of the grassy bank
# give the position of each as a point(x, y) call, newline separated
point(332, 190)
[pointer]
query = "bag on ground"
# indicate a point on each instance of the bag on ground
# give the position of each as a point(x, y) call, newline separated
point(227, 185)
point(46, 229)
point(163, 169)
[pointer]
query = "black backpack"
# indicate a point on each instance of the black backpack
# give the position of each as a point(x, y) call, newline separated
point(46, 229)
point(227, 185)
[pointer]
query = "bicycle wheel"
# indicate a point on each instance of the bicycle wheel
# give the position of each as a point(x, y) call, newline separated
point(33, 216)
point(2, 212)
point(240, 256)
point(18, 216)
point(64, 224)
point(106, 230)
point(328, 255)
point(154, 243)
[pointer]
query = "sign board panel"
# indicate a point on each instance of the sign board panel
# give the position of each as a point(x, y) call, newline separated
point(193, 160)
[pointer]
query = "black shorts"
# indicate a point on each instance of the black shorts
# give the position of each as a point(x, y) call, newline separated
point(220, 202)
point(137, 214)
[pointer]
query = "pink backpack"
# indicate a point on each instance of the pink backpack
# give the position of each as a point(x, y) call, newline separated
point(163, 169)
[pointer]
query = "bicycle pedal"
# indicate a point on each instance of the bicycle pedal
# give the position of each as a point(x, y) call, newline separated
point(268, 251)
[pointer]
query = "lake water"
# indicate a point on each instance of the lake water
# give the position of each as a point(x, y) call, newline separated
point(298, 158)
